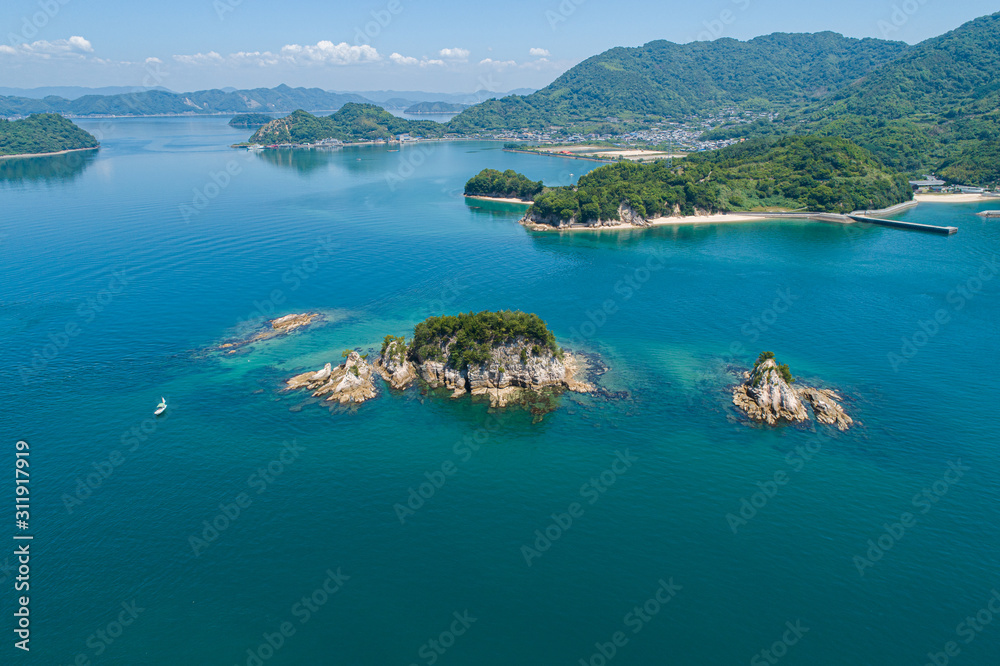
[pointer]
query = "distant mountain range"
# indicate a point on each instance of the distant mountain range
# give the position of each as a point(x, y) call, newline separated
point(77, 101)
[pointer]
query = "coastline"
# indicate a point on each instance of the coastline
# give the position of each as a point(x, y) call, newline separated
point(953, 198)
point(58, 152)
point(523, 202)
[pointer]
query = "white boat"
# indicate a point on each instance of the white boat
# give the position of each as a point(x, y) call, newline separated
point(162, 407)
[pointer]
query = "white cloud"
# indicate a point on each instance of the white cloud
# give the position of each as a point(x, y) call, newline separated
point(210, 58)
point(321, 53)
point(403, 60)
point(410, 61)
point(540, 53)
point(498, 64)
point(74, 47)
point(327, 52)
point(454, 54)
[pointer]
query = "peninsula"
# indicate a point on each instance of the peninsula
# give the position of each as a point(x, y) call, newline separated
point(42, 134)
point(505, 356)
point(820, 174)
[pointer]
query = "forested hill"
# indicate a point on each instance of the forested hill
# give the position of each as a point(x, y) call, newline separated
point(156, 102)
point(353, 122)
point(935, 108)
point(792, 173)
point(666, 79)
point(42, 133)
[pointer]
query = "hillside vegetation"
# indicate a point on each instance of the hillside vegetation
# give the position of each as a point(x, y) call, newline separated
point(822, 174)
point(42, 133)
point(467, 339)
point(508, 184)
point(663, 79)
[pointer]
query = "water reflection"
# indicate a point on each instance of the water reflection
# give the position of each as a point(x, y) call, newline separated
point(303, 161)
point(48, 169)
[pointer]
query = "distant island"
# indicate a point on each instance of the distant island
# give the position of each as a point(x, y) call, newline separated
point(435, 107)
point(505, 356)
point(818, 174)
point(42, 134)
point(250, 120)
point(352, 123)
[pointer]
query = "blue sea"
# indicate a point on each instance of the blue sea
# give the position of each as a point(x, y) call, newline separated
point(647, 524)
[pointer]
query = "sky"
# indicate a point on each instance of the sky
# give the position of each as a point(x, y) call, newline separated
point(447, 46)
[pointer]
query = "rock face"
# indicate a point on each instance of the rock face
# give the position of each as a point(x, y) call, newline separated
point(627, 217)
point(291, 322)
point(350, 382)
point(274, 328)
point(765, 396)
point(511, 369)
point(394, 367)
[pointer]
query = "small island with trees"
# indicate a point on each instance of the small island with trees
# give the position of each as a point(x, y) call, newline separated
point(505, 356)
point(507, 185)
point(250, 120)
point(352, 123)
point(42, 134)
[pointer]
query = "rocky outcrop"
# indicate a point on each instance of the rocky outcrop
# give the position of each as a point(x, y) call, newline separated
point(273, 328)
point(826, 407)
point(627, 216)
point(511, 370)
point(394, 367)
point(289, 323)
point(766, 396)
point(350, 382)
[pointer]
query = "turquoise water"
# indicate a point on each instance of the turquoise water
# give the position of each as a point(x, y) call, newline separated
point(153, 265)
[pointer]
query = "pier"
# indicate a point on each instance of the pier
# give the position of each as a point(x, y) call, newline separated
point(912, 226)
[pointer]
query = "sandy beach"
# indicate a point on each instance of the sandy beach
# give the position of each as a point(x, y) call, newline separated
point(61, 152)
point(953, 198)
point(665, 221)
point(523, 202)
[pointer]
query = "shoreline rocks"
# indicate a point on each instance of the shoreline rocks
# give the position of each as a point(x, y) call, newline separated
point(766, 396)
point(350, 382)
point(274, 328)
